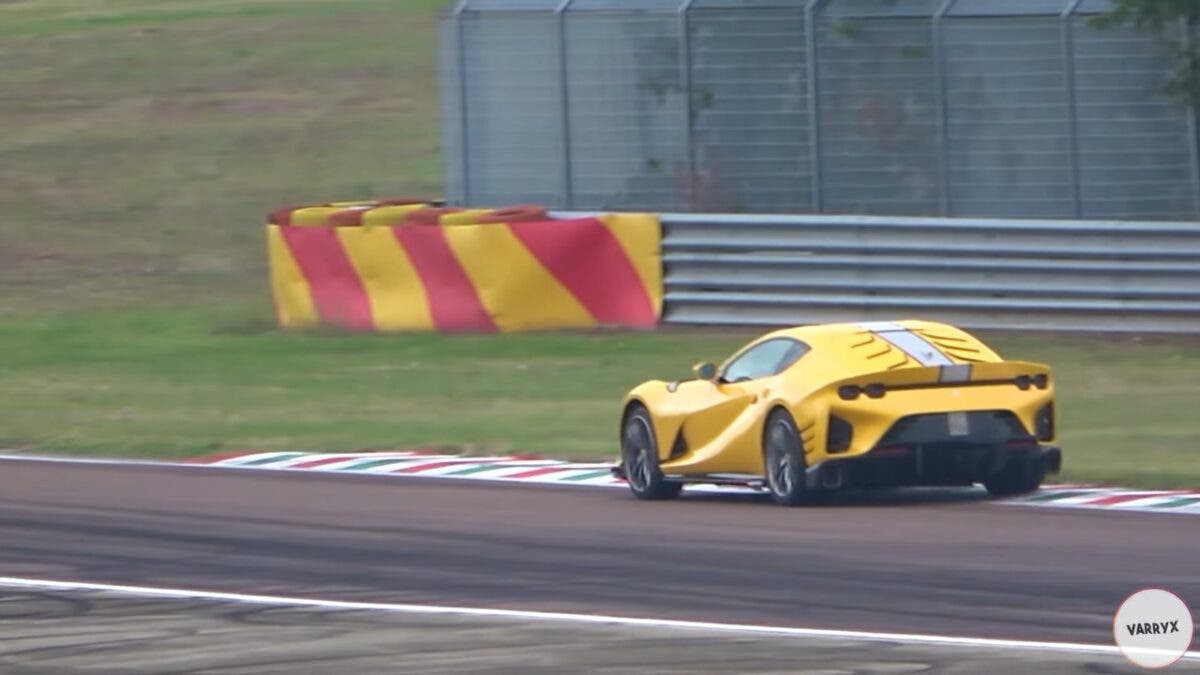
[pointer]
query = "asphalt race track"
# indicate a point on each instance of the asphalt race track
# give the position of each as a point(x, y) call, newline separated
point(899, 565)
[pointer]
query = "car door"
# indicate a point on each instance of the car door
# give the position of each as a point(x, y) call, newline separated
point(717, 408)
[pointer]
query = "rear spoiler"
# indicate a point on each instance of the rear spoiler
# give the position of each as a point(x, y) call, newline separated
point(1021, 374)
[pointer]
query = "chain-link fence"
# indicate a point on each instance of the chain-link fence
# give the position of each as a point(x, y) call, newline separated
point(1007, 108)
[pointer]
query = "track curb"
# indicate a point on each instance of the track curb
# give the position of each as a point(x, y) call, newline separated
point(534, 469)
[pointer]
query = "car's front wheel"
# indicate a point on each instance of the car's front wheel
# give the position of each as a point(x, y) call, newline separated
point(639, 459)
point(783, 455)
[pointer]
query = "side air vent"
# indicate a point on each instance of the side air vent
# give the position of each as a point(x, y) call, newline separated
point(679, 447)
point(840, 435)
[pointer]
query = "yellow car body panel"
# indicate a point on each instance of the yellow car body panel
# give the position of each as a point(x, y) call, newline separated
point(706, 427)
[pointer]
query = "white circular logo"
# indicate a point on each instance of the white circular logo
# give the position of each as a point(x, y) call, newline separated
point(1153, 628)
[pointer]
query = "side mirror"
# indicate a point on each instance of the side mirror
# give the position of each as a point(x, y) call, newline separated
point(706, 371)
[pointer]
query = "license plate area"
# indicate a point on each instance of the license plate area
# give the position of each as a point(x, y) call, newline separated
point(958, 424)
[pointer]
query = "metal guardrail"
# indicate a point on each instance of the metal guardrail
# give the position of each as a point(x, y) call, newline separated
point(980, 273)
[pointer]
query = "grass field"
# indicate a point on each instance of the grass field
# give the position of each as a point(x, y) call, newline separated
point(145, 140)
point(202, 380)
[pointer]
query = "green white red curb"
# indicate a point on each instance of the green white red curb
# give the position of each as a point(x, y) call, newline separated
point(519, 468)
point(1117, 499)
point(526, 469)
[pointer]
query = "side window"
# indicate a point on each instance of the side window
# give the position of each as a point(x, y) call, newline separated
point(764, 359)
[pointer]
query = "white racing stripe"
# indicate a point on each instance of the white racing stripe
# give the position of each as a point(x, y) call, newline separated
point(920, 349)
point(565, 617)
point(880, 326)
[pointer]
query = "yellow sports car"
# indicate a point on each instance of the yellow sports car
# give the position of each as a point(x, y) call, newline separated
point(804, 410)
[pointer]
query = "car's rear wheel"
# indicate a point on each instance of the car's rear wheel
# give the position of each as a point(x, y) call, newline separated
point(639, 459)
point(1019, 476)
point(783, 456)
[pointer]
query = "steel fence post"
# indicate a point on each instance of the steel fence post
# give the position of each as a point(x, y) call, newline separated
point(1067, 32)
point(685, 67)
point(945, 203)
point(463, 106)
point(560, 15)
point(1194, 124)
point(1193, 121)
point(814, 105)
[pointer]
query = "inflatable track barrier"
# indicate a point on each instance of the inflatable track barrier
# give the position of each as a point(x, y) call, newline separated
point(412, 265)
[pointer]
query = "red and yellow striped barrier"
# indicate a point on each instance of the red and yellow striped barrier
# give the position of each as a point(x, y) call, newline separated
point(392, 266)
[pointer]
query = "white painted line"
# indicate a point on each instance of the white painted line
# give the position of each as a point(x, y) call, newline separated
point(565, 617)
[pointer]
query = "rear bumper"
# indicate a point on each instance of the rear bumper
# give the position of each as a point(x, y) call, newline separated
point(932, 466)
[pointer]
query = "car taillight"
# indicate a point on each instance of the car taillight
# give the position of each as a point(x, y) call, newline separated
point(1043, 424)
point(840, 435)
point(1024, 382)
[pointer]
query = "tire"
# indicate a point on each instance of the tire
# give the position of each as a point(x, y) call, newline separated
point(1018, 477)
point(783, 459)
point(639, 459)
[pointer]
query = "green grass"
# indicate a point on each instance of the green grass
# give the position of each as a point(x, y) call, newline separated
point(189, 382)
point(144, 141)
point(184, 383)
